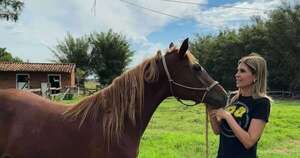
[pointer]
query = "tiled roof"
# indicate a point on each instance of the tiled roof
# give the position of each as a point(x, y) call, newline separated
point(36, 67)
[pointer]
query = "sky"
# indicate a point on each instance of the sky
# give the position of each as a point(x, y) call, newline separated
point(148, 25)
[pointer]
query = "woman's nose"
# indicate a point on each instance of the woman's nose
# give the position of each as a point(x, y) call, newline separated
point(237, 74)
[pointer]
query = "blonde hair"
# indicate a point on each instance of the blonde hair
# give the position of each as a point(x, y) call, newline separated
point(258, 66)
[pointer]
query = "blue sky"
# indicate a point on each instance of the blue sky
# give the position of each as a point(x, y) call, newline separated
point(43, 23)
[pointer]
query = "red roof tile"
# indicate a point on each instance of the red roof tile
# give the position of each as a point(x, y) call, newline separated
point(36, 67)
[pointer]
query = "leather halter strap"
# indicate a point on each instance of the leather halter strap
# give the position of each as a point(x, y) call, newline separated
point(172, 82)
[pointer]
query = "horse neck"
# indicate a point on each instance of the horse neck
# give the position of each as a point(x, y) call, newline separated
point(154, 94)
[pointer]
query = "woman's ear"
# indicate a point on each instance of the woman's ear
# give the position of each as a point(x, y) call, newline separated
point(254, 80)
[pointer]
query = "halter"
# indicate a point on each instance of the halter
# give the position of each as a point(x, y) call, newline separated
point(172, 82)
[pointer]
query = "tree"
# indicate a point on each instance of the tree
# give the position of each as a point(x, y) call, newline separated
point(277, 40)
point(219, 55)
point(10, 9)
point(6, 56)
point(110, 56)
point(74, 50)
point(283, 33)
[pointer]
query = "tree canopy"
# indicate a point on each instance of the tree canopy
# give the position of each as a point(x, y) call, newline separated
point(10, 9)
point(73, 50)
point(7, 57)
point(107, 60)
point(110, 56)
point(276, 39)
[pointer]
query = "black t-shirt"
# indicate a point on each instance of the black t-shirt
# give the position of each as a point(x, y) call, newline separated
point(243, 110)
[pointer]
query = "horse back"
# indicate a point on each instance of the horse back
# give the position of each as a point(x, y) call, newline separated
point(15, 102)
point(6, 117)
point(23, 112)
point(31, 126)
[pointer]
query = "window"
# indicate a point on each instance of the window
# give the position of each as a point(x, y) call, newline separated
point(22, 81)
point(54, 83)
point(54, 80)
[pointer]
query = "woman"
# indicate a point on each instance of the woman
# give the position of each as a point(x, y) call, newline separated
point(242, 122)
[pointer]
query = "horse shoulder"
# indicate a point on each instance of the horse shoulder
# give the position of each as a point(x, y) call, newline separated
point(5, 105)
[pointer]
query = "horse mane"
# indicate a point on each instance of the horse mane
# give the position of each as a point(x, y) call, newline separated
point(122, 99)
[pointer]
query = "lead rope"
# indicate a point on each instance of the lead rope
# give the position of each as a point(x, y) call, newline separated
point(206, 133)
point(206, 124)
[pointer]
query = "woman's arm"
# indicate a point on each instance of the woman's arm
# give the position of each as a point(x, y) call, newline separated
point(247, 138)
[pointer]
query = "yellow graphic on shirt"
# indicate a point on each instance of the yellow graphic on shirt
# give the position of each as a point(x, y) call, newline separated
point(236, 112)
point(231, 109)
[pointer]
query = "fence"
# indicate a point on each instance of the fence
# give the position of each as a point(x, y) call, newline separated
point(69, 92)
point(285, 94)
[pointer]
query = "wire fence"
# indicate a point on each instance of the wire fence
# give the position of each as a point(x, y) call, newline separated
point(284, 94)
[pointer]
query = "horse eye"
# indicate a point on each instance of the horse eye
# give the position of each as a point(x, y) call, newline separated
point(197, 67)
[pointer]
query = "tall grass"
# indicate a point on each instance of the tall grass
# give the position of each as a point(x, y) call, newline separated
point(177, 131)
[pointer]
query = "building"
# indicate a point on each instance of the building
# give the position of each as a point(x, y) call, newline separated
point(36, 76)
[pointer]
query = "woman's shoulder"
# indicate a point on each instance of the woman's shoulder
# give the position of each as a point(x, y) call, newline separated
point(263, 101)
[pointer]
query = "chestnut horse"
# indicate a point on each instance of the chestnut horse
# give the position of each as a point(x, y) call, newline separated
point(110, 123)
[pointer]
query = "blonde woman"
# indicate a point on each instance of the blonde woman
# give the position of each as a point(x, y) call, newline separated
point(242, 122)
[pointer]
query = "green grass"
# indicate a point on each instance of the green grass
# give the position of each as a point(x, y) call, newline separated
point(176, 131)
point(282, 135)
point(75, 100)
point(90, 84)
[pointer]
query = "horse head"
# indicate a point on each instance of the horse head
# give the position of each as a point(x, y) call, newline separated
point(188, 80)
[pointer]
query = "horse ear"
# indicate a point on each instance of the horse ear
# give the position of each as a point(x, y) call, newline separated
point(171, 45)
point(184, 47)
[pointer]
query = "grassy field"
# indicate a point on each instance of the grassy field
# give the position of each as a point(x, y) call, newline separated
point(176, 131)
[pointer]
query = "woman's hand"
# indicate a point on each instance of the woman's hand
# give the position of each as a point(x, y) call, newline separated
point(220, 114)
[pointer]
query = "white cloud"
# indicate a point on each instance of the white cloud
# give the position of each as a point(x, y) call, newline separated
point(234, 15)
point(145, 50)
point(135, 22)
point(43, 23)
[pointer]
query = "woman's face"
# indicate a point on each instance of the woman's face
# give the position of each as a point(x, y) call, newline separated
point(244, 77)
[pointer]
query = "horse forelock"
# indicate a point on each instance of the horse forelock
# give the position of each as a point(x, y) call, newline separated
point(122, 99)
